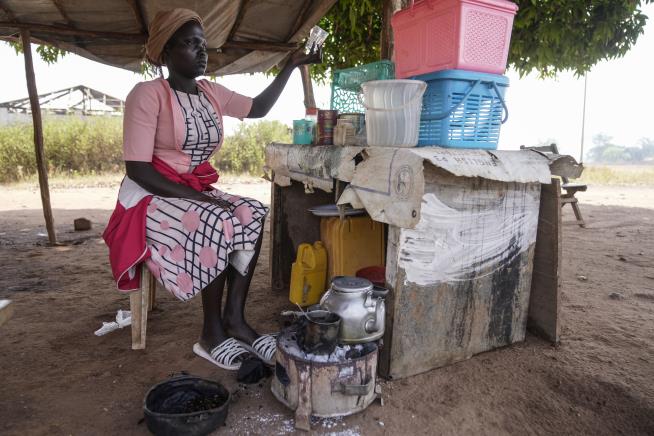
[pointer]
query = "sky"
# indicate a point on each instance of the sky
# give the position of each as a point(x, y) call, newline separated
point(620, 95)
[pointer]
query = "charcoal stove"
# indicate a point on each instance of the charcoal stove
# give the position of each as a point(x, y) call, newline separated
point(338, 384)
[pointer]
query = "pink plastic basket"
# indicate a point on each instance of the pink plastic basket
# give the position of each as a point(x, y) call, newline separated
point(435, 35)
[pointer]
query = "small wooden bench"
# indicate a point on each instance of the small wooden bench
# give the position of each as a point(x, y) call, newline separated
point(570, 188)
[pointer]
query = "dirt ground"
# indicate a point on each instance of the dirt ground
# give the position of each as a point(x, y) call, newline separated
point(58, 378)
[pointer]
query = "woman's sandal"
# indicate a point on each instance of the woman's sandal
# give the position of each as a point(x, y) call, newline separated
point(226, 355)
point(264, 347)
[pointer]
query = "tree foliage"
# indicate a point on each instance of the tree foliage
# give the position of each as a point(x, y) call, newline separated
point(48, 53)
point(243, 151)
point(606, 151)
point(354, 28)
point(549, 36)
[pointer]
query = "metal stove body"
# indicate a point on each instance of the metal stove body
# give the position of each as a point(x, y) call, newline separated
point(338, 384)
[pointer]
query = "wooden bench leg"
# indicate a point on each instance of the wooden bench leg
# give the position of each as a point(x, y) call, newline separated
point(574, 203)
point(152, 285)
point(575, 209)
point(140, 303)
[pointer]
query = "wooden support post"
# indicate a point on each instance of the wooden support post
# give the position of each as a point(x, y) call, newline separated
point(309, 100)
point(545, 299)
point(38, 135)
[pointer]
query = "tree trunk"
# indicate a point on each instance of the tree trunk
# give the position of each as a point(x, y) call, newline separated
point(38, 135)
point(386, 43)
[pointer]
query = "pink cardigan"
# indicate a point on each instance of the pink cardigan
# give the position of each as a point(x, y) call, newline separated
point(154, 124)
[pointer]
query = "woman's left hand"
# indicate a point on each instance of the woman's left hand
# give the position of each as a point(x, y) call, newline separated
point(299, 57)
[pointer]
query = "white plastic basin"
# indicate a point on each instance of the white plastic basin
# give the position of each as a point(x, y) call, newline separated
point(393, 112)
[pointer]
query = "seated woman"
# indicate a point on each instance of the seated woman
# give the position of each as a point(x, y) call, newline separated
point(193, 237)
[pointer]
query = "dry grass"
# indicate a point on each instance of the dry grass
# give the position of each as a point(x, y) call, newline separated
point(618, 175)
point(609, 175)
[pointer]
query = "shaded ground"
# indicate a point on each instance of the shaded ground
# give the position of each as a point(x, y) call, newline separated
point(58, 378)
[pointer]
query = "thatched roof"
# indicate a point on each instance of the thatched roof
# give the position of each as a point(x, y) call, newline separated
point(244, 35)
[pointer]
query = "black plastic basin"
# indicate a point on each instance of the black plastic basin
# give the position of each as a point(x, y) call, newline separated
point(186, 405)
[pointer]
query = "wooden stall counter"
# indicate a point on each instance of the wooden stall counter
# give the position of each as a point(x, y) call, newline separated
point(466, 230)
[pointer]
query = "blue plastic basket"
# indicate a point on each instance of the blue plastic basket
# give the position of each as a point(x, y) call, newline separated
point(462, 109)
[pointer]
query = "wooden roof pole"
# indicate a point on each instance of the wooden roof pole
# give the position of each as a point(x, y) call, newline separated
point(307, 86)
point(67, 30)
point(137, 7)
point(38, 135)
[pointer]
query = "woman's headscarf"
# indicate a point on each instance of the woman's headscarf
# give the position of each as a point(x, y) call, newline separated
point(164, 25)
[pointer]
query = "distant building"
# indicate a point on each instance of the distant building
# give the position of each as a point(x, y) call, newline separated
point(79, 100)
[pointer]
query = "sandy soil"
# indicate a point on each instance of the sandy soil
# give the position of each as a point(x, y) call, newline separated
point(58, 378)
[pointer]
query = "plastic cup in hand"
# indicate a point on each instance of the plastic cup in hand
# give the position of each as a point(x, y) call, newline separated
point(316, 39)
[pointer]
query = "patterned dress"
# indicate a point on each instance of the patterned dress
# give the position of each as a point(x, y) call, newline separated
point(192, 242)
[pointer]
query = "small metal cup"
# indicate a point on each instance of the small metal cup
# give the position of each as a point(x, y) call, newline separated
point(318, 333)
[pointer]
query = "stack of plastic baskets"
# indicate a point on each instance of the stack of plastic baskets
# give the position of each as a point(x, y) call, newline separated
point(462, 109)
point(346, 84)
point(460, 48)
point(436, 35)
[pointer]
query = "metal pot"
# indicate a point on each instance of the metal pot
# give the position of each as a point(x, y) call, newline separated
point(360, 306)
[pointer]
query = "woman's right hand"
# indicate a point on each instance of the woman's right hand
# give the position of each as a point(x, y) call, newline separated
point(299, 57)
point(218, 202)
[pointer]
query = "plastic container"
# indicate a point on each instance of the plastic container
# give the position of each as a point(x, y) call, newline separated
point(303, 132)
point(352, 243)
point(346, 84)
point(308, 274)
point(435, 35)
point(344, 132)
point(393, 112)
point(376, 274)
point(463, 109)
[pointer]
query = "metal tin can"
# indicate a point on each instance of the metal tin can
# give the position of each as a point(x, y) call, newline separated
point(325, 126)
point(303, 132)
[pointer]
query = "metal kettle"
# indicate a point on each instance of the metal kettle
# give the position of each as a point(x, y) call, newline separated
point(361, 308)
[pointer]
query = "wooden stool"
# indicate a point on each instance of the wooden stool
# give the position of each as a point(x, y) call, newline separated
point(140, 303)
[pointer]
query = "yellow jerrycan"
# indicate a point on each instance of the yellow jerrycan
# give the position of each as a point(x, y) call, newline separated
point(308, 274)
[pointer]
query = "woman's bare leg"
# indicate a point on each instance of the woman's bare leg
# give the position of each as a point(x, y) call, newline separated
point(213, 332)
point(237, 292)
